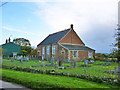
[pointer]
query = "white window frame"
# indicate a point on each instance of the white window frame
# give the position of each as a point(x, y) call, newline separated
point(90, 54)
point(43, 50)
point(53, 49)
point(75, 56)
point(48, 50)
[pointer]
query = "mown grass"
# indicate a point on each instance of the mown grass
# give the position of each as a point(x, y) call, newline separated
point(93, 70)
point(33, 80)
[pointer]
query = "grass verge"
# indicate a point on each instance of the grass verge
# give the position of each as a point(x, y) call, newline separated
point(36, 81)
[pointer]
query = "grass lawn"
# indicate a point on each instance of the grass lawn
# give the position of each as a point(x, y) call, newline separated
point(33, 80)
point(93, 70)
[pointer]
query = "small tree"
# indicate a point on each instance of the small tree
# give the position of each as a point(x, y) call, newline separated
point(60, 56)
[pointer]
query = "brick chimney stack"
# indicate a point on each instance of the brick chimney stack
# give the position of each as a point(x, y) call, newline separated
point(71, 26)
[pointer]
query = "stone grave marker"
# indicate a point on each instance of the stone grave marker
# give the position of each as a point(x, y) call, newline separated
point(27, 58)
point(15, 57)
point(21, 60)
point(119, 62)
point(32, 57)
point(91, 61)
point(86, 62)
point(42, 64)
point(117, 69)
point(107, 63)
point(8, 57)
point(52, 61)
point(35, 57)
point(73, 64)
point(12, 59)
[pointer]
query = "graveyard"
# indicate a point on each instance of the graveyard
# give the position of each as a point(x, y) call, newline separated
point(77, 72)
point(93, 68)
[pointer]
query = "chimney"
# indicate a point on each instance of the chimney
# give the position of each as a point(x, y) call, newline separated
point(6, 41)
point(71, 26)
point(9, 39)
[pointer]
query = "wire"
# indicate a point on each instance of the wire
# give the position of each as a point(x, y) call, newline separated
point(3, 4)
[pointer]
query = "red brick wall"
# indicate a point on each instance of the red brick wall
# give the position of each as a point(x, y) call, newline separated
point(82, 54)
point(71, 38)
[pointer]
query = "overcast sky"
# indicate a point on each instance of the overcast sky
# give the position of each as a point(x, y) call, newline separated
point(94, 21)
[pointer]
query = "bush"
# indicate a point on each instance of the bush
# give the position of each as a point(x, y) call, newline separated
point(99, 80)
point(94, 79)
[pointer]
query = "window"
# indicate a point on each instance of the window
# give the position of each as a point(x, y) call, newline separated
point(53, 49)
point(90, 54)
point(48, 50)
point(43, 50)
point(75, 54)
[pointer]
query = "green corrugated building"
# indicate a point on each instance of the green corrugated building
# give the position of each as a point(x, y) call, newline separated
point(11, 49)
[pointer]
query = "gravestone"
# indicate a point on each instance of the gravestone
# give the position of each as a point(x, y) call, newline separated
point(15, 57)
point(27, 58)
point(117, 69)
point(86, 62)
point(47, 58)
point(61, 67)
point(119, 62)
point(8, 57)
point(52, 61)
point(107, 63)
point(21, 60)
point(12, 59)
point(68, 61)
point(32, 57)
point(35, 57)
point(42, 64)
point(91, 61)
point(73, 64)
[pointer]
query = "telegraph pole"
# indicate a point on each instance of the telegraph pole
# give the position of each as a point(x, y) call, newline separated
point(118, 31)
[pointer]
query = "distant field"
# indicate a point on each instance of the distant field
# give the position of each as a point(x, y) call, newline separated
point(33, 80)
point(92, 70)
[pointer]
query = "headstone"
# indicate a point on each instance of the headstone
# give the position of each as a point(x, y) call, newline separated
point(61, 67)
point(117, 69)
point(52, 61)
point(8, 57)
point(68, 61)
point(35, 57)
point(27, 58)
point(119, 62)
point(47, 58)
point(32, 57)
point(42, 64)
point(86, 62)
point(15, 57)
point(12, 59)
point(21, 60)
point(91, 61)
point(107, 63)
point(73, 64)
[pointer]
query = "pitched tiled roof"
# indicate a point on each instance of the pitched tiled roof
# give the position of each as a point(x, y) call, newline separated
point(54, 38)
point(76, 47)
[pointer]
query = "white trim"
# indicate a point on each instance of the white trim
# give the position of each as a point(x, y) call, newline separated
point(77, 50)
point(72, 44)
point(63, 46)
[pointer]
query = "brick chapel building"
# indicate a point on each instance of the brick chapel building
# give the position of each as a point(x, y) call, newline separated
point(65, 42)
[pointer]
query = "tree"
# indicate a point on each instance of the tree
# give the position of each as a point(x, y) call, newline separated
point(26, 50)
point(22, 42)
point(116, 48)
point(33, 52)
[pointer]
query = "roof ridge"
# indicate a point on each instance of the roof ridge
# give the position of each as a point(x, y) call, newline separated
point(60, 31)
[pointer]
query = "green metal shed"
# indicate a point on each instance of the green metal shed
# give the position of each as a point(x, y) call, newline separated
point(10, 48)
